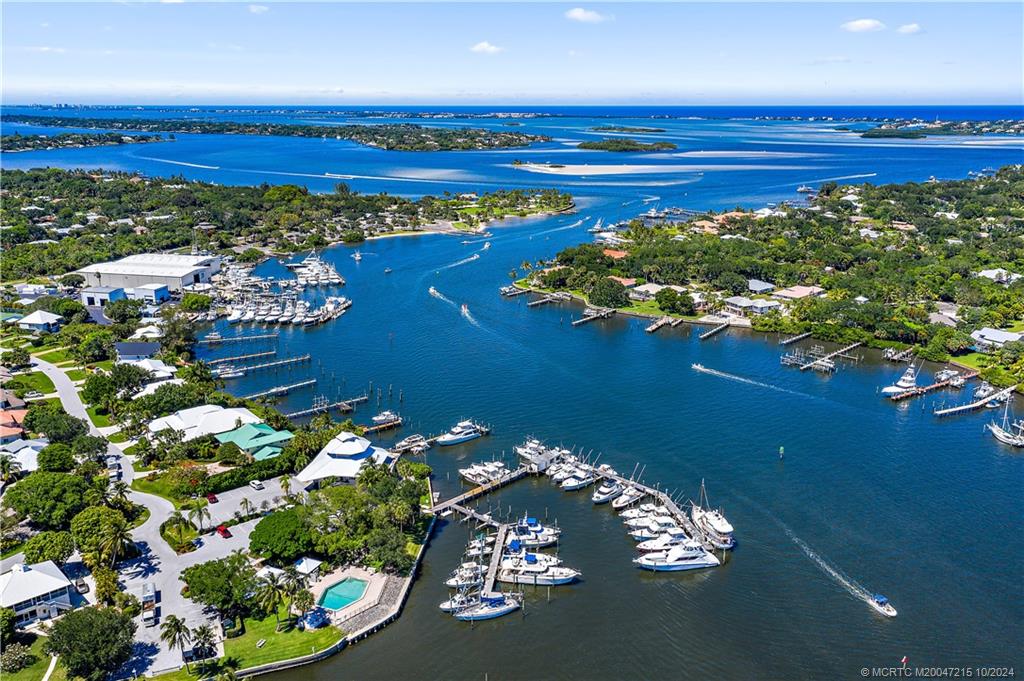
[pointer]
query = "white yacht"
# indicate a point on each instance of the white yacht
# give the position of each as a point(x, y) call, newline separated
point(664, 541)
point(490, 606)
point(416, 443)
point(882, 605)
point(578, 480)
point(236, 315)
point(712, 522)
point(643, 511)
point(538, 575)
point(532, 534)
point(608, 491)
point(630, 495)
point(385, 417)
point(908, 381)
point(1009, 433)
point(463, 431)
point(686, 556)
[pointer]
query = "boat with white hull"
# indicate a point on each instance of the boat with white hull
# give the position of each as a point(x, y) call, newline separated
point(463, 431)
point(490, 606)
point(712, 522)
point(630, 495)
point(687, 556)
point(538, 575)
point(608, 491)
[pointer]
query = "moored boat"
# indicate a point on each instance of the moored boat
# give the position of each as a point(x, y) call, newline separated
point(686, 556)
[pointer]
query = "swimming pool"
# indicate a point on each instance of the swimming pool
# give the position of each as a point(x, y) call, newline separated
point(344, 593)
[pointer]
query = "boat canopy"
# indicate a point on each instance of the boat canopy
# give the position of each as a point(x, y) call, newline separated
point(515, 545)
point(881, 600)
point(531, 558)
point(493, 599)
point(531, 521)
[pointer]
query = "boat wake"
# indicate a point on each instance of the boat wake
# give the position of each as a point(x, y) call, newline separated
point(749, 381)
point(560, 229)
point(838, 576)
point(469, 317)
point(178, 163)
point(475, 256)
point(651, 199)
point(440, 296)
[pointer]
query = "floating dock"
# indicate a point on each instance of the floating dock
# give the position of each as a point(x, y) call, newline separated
point(277, 363)
point(712, 332)
point(239, 358)
point(322, 406)
point(826, 358)
point(380, 427)
point(280, 390)
point(963, 408)
point(590, 314)
point(914, 392)
point(497, 483)
point(237, 339)
point(794, 339)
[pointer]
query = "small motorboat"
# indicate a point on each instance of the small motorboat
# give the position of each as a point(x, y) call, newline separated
point(491, 605)
point(385, 417)
point(882, 605)
point(357, 256)
point(608, 491)
point(630, 495)
point(578, 480)
point(457, 602)
point(387, 270)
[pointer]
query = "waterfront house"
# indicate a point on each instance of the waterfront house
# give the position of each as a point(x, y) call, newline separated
point(999, 276)
point(258, 440)
point(207, 419)
point(136, 351)
point(649, 291)
point(35, 592)
point(628, 282)
point(341, 459)
point(152, 387)
point(25, 453)
point(158, 369)
point(757, 286)
point(799, 292)
point(743, 306)
point(149, 332)
point(987, 339)
point(100, 296)
point(41, 321)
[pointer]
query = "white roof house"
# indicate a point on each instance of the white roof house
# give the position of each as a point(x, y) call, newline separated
point(208, 419)
point(151, 388)
point(40, 320)
point(35, 591)
point(159, 369)
point(307, 566)
point(343, 457)
point(988, 337)
point(1000, 275)
point(25, 452)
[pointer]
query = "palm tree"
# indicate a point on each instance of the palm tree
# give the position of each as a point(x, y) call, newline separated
point(176, 634)
point(118, 493)
point(286, 484)
point(270, 595)
point(116, 540)
point(176, 521)
point(9, 468)
point(304, 601)
point(246, 506)
point(205, 449)
point(198, 515)
point(225, 675)
point(203, 641)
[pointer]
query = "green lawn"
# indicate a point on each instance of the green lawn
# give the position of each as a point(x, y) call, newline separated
point(106, 365)
point(77, 374)
point(241, 652)
point(154, 484)
point(35, 380)
point(975, 360)
point(117, 437)
point(13, 550)
point(56, 356)
point(37, 670)
point(99, 420)
point(143, 517)
point(1017, 327)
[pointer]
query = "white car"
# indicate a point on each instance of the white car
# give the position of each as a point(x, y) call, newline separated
point(255, 484)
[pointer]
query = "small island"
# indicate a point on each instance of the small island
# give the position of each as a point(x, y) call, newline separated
point(388, 136)
point(626, 144)
point(626, 128)
point(917, 129)
point(70, 140)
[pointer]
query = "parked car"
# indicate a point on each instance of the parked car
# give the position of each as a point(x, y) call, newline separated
point(149, 617)
point(81, 586)
point(212, 498)
point(223, 531)
point(255, 484)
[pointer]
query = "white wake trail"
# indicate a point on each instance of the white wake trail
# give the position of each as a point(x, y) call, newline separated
point(475, 256)
point(178, 163)
point(740, 379)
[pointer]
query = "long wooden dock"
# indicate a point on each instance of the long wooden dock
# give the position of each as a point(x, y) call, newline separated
point(513, 291)
point(323, 406)
point(825, 358)
point(679, 514)
point(978, 404)
point(236, 339)
point(239, 358)
point(794, 339)
point(277, 363)
point(499, 551)
point(509, 477)
point(559, 297)
point(914, 392)
point(712, 332)
point(280, 389)
point(590, 314)
point(379, 427)
point(658, 324)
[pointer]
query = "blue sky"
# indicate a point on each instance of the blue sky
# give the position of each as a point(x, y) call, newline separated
point(469, 53)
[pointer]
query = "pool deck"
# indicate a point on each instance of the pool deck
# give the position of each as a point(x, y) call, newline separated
point(371, 595)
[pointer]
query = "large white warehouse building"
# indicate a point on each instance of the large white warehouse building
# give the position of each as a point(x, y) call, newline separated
point(173, 271)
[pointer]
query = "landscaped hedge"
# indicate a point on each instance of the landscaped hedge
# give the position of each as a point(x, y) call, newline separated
point(239, 477)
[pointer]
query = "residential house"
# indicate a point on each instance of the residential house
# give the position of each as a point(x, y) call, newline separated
point(207, 419)
point(25, 452)
point(743, 306)
point(999, 276)
point(628, 282)
point(614, 254)
point(987, 339)
point(799, 292)
point(41, 321)
point(8, 400)
point(258, 440)
point(158, 369)
point(35, 592)
point(135, 351)
point(341, 460)
point(757, 286)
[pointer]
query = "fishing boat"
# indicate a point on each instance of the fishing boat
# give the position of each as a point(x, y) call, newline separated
point(387, 270)
point(529, 533)
point(357, 256)
point(908, 381)
point(882, 605)
point(235, 315)
point(490, 605)
point(578, 480)
point(804, 189)
point(1009, 433)
point(458, 602)
point(466, 575)
point(412, 442)
point(538, 575)
point(712, 522)
point(984, 390)
point(524, 557)
point(229, 372)
point(944, 375)
point(608, 491)
point(686, 556)
point(630, 495)
point(463, 431)
point(385, 417)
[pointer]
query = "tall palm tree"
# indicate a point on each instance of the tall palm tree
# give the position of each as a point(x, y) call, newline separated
point(9, 468)
point(116, 540)
point(225, 675)
point(198, 515)
point(118, 493)
point(246, 506)
point(286, 484)
point(203, 641)
point(176, 634)
point(205, 449)
point(176, 521)
point(270, 595)
point(303, 601)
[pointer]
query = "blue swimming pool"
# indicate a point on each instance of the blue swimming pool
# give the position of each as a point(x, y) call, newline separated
point(344, 593)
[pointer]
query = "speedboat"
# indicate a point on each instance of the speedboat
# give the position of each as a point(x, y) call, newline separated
point(464, 431)
point(804, 189)
point(630, 495)
point(468, 574)
point(457, 602)
point(357, 256)
point(686, 556)
point(578, 480)
point(984, 390)
point(384, 417)
point(490, 605)
point(608, 491)
point(643, 511)
point(531, 534)
point(236, 315)
point(523, 557)
point(664, 541)
point(412, 442)
point(387, 270)
point(908, 381)
point(882, 605)
point(487, 244)
point(538, 575)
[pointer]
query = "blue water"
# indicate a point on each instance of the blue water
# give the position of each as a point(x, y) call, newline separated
point(870, 495)
point(344, 593)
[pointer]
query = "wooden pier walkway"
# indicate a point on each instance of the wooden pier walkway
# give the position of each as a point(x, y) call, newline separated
point(658, 324)
point(914, 392)
point(794, 339)
point(509, 477)
point(239, 358)
point(829, 356)
point(499, 552)
point(590, 314)
point(512, 292)
point(280, 390)
point(712, 332)
point(903, 356)
point(236, 339)
point(379, 427)
point(277, 363)
point(559, 297)
point(679, 514)
point(324, 406)
point(978, 404)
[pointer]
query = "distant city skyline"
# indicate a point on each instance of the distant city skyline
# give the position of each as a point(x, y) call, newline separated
point(514, 54)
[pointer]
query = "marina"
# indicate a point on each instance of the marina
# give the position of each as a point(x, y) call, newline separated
point(977, 404)
point(280, 389)
point(593, 313)
point(714, 331)
point(829, 358)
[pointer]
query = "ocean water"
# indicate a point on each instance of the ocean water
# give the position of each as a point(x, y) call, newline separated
point(871, 496)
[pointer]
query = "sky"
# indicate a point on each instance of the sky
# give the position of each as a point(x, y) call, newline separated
point(530, 53)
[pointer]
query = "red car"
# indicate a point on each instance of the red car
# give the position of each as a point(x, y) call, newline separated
point(223, 531)
point(212, 498)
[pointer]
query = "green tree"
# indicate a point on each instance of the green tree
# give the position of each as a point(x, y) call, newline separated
point(203, 642)
point(50, 500)
point(9, 468)
point(96, 347)
point(270, 595)
point(116, 541)
point(107, 587)
point(56, 546)
point(282, 537)
point(51, 419)
point(8, 619)
point(99, 389)
point(92, 527)
point(221, 584)
point(195, 302)
point(124, 311)
point(608, 293)
point(176, 634)
point(56, 458)
point(15, 358)
point(91, 643)
point(198, 514)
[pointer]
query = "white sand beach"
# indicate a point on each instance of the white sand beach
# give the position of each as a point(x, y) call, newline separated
point(639, 169)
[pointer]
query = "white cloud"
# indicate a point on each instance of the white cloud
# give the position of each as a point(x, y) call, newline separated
point(838, 59)
point(259, 9)
point(908, 29)
point(46, 49)
point(863, 26)
point(586, 16)
point(171, 2)
point(484, 47)
point(45, 24)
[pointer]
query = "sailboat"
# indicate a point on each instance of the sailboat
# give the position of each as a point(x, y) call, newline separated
point(1010, 433)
